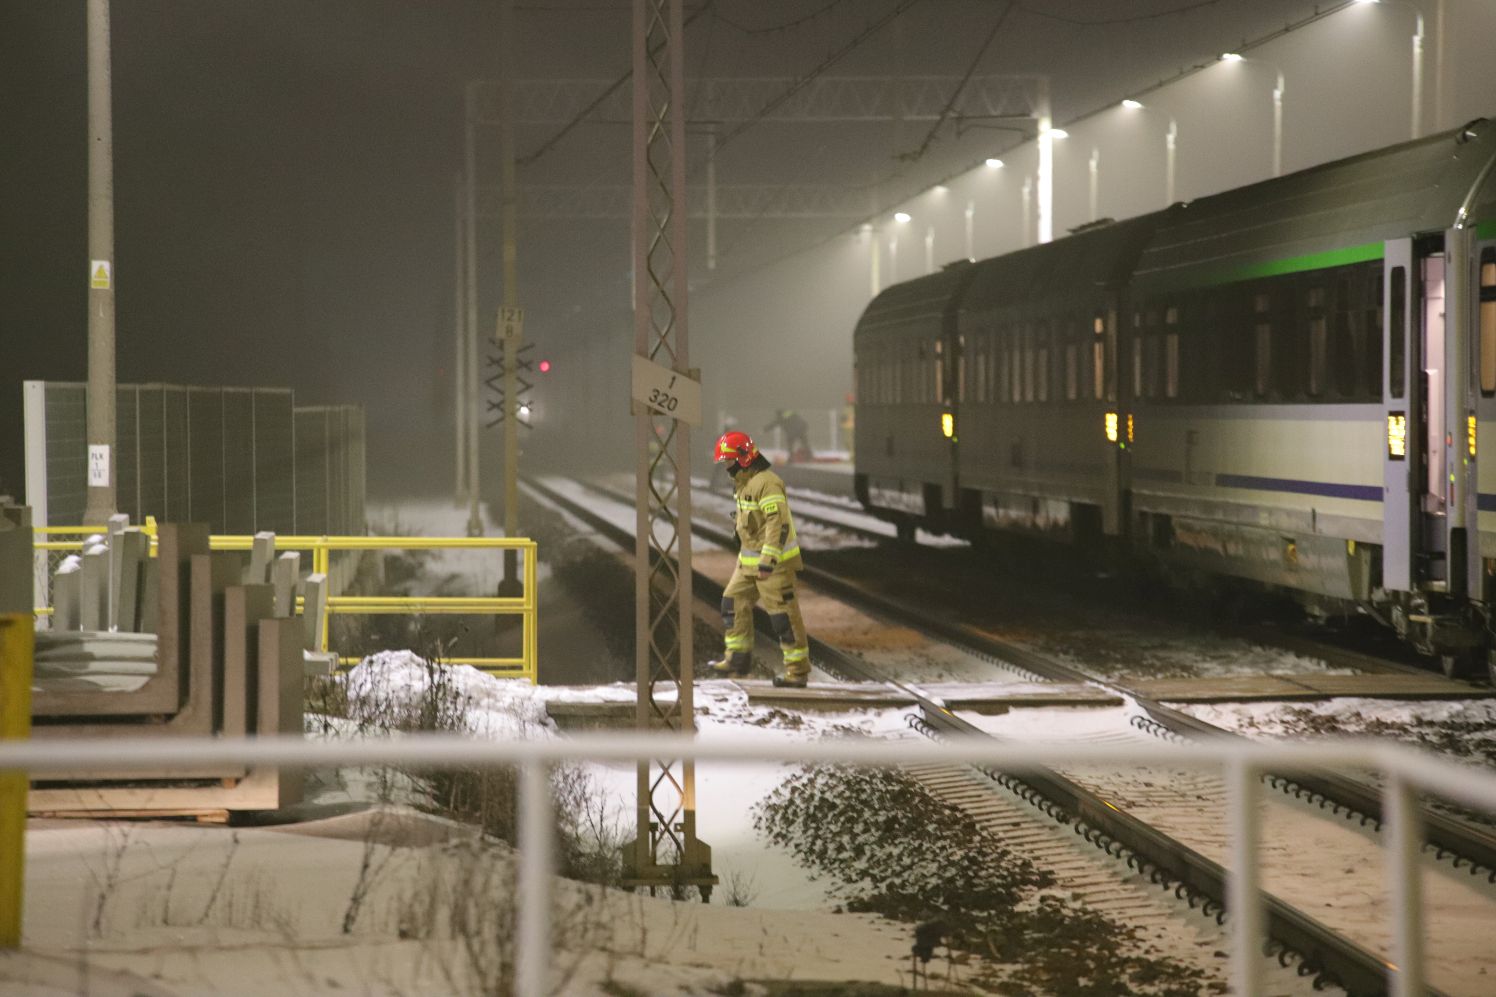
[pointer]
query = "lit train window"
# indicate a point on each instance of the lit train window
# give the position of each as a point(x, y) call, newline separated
point(1397, 361)
point(1488, 321)
point(1072, 371)
point(1171, 363)
point(1098, 324)
point(1098, 368)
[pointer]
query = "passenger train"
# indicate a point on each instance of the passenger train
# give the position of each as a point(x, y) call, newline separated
point(1290, 383)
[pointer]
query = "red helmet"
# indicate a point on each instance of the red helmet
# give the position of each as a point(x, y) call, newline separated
point(733, 445)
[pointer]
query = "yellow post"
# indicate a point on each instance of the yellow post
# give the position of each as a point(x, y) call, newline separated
point(17, 638)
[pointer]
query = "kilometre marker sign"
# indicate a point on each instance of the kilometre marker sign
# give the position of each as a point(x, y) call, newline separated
point(667, 391)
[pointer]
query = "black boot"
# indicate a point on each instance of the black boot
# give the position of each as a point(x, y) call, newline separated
point(785, 682)
point(734, 665)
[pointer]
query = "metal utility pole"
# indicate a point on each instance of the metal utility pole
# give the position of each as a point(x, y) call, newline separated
point(666, 852)
point(1046, 166)
point(510, 327)
point(711, 197)
point(472, 374)
point(459, 328)
point(101, 390)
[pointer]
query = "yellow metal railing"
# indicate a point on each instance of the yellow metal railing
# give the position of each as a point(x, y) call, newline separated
point(524, 606)
point(16, 637)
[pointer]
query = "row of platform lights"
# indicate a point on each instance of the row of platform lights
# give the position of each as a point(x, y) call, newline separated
point(1171, 137)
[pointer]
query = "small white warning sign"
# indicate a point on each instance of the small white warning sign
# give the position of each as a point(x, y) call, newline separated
point(100, 275)
point(98, 465)
point(511, 323)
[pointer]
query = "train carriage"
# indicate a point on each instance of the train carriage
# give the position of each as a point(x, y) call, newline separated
point(1295, 379)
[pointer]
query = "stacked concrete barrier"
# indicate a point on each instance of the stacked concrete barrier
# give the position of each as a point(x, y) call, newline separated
point(191, 643)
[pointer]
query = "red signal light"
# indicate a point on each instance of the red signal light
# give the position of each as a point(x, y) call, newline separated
point(545, 366)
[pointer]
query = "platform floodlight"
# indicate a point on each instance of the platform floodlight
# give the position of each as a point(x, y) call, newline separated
point(994, 164)
point(1231, 57)
point(1058, 133)
point(941, 188)
point(1132, 105)
point(902, 217)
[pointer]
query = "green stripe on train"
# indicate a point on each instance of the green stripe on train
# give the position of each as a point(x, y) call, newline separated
point(1299, 264)
point(1486, 229)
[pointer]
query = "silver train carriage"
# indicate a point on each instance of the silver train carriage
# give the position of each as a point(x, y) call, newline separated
point(1289, 383)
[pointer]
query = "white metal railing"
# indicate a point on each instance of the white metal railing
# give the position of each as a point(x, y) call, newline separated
point(1407, 773)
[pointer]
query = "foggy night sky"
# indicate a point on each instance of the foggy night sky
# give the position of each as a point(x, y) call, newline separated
point(284, 170)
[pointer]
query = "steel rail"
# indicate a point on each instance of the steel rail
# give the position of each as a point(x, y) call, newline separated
point(1462, 843)
point(1323, 952)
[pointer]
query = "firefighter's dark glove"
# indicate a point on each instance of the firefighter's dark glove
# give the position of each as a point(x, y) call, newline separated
point(764, 571)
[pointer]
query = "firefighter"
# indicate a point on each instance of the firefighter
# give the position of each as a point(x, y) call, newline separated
point(766, 567)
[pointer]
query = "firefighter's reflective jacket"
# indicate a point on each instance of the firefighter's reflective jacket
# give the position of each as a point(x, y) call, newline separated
point(765, 526)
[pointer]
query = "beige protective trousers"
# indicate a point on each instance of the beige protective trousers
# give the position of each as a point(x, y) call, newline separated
point(777, 593)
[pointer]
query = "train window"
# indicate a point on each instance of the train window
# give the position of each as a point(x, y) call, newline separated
point(1397, 360)
point(1041, 369)
point(939, 371)
point(1137, 368)
point(1345, 352)
point(1171, 364)
point(1152, 366)
point(1098, 324)
point(1318, 345)
point(1098, 368)
point(1028, 364)
point(1318, 337)
point(1488, 322)
point(1072, 372)
point(1371, 326)
point(1263, 368)
point(1171, 316)
point(1015, 368)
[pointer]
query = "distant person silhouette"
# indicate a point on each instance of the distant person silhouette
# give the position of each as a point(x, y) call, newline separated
point(796, 435)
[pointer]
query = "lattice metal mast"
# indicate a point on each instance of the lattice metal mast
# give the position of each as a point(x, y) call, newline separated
point(666, 853)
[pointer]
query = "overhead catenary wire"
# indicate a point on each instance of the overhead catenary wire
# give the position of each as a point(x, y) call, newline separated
point(1319, 14)
point(1128, 19)
point(596, 102)
point(950, 105)
point(800, 84)
point(784, 26)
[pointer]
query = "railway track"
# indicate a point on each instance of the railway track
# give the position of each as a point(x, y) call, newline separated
point(1085, 801)
point(1464, 846)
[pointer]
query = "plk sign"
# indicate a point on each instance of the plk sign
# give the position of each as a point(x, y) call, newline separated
point(666, 391)
point(98, 465)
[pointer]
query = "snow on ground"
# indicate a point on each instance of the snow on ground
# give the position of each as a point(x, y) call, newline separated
point(1462, 728)
point(1113, 647)
point(156, 909)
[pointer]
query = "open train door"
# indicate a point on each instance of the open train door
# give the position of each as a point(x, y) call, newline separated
point(1401, 391)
